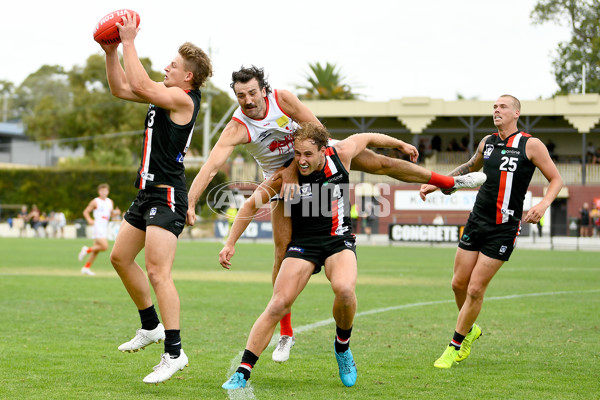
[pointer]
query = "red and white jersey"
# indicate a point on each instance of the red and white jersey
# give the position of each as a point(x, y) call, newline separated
point(102, 214)
point(270, 139)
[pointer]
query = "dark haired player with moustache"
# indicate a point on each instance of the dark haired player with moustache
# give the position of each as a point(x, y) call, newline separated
point(157, 216)
point(321, 235)
point(264, 123)
point(509, 159)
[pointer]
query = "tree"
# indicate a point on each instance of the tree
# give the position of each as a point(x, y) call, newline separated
point(583, 17)
point(326, 83)
point(6, 91)
point(77, 109)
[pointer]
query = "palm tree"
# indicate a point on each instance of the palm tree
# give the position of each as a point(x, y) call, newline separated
point(326, 83)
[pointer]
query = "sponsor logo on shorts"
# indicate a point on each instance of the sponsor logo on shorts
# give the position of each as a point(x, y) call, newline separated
point(348, 244)
point(296, 249)
point(465, 240)
point(502, 249)
point(180, 158)
point(178, 224)
point(152, 212)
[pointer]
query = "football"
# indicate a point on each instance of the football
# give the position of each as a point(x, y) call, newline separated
point(106, 31)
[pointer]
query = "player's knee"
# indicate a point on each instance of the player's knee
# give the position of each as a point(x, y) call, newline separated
point(476, 292)
point(116, 259)
point(279, 306)
point(344, 292)
point(386, 165)
point(459, 285)
point(156, 276)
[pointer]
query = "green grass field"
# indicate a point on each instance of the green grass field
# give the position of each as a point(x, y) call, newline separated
point(60, 330)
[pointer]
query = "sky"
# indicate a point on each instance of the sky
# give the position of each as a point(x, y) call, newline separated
point(387, 49)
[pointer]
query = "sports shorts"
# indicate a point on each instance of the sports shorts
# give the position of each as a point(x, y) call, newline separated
point(100, 229)
point(164, 207)
point(318, 249)
point(495, 241)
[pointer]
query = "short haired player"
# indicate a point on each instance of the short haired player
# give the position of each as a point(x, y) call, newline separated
point(157, 216)
point(264, 122)
point(319, 237)
point(509, 159)
point(98, 213)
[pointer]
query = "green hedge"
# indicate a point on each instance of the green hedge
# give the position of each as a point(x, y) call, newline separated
point(71, 189)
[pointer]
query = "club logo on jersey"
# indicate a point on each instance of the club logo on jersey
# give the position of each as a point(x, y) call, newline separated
point(502, 250)
point(296, 249)
point(152, 212)
point(306, 190)
point(489, 148)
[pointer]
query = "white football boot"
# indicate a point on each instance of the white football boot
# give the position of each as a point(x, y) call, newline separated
point(282, 351)
point(144, 338)
point(166, 368)
point(468, 181)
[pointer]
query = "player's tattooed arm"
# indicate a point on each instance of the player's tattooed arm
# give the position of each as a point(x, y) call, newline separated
point(474, 164)
point(465, 168)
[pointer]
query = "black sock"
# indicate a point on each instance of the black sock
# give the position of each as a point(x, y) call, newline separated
point(342, 335)
point(457, 340)
point(173, 342)
point(249, 359)
point(149, 318)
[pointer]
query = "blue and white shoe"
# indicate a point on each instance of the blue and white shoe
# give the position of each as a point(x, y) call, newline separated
point(347, 367)
point(237, 381)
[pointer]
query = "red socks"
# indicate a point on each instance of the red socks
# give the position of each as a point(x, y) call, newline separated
point(441, 181)
point(286, 325)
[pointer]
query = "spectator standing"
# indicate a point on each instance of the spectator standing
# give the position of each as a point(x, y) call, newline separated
point(584, 222)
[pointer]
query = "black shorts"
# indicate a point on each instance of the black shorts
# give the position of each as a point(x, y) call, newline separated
point(318, 249)
point(495, 241)
point(164, 207)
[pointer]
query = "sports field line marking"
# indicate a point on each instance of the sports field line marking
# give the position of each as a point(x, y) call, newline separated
point(248, 391)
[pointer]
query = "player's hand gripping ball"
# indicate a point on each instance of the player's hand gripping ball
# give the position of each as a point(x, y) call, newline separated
point(106, 31)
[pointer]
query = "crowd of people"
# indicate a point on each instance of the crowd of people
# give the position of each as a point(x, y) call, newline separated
point(43, 224)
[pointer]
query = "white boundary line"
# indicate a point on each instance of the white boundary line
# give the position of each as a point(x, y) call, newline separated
point(248, 391)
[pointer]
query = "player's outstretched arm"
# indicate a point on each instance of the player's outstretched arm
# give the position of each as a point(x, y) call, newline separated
point(261, 196)
point(233, 134)
point(539, 156)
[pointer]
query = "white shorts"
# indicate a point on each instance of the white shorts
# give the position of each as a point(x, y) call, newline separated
point(100, 230)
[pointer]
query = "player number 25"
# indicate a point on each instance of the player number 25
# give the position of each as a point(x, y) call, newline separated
point(508, 164)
